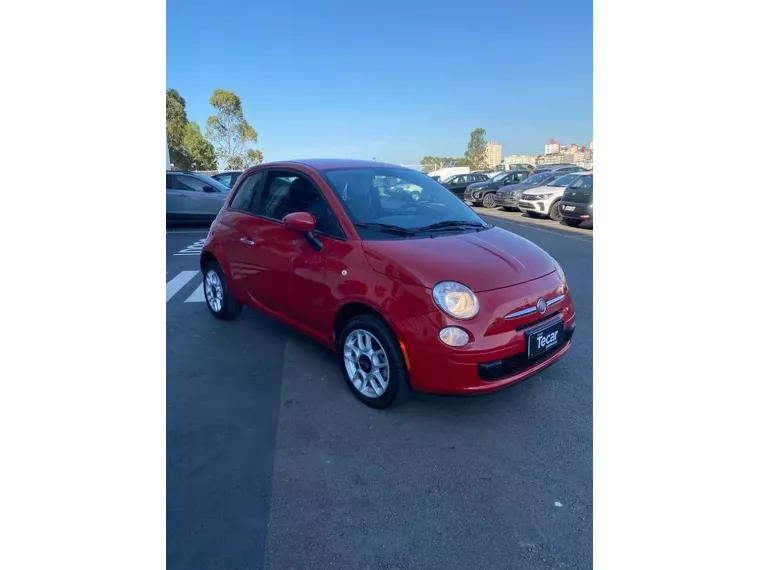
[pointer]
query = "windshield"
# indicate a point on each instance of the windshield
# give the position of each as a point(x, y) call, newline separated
point(367, 200)
point(583, 182)
point(213, 183)
point(565, 180)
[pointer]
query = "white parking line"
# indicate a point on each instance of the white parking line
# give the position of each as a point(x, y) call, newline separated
point(192, 249)
point(198, 296)
point(173, 286)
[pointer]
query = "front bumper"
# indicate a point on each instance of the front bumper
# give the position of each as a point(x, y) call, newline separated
point(497, 356)
point(475, 197)
point(507, 200)
point(582, 212)
point(536, 206)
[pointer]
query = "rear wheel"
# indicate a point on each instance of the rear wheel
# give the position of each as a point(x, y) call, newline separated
point(218, 298)
point(373, 364)
point(572, 223)
point(489, 201)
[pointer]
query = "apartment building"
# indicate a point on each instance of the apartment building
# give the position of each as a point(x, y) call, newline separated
point(494, 152)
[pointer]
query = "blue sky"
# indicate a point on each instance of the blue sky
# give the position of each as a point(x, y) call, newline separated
point(393, 80)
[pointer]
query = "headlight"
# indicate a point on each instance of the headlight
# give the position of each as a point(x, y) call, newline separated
point(560, 271)
point(543, 196)
point(456, 300)
point(477, 194)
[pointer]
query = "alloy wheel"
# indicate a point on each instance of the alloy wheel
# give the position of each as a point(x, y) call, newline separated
point(366, 363)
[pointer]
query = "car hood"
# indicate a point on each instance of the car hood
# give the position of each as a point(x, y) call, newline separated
point(477, 185)
point(511, 187)
point(482, 261)
point(543, 189)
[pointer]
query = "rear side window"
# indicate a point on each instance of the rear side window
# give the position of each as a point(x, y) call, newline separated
point(244, 194)
point(188, 183)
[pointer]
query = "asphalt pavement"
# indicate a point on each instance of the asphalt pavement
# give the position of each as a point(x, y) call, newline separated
point(273, 464)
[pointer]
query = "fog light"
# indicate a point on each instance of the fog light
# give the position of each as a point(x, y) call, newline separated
point(453, 336)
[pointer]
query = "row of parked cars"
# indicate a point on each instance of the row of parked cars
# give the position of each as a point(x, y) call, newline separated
point(561, 192)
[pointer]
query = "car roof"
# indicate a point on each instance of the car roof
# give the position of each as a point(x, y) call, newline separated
point(335, 163)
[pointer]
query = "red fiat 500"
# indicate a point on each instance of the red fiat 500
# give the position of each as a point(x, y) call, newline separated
point(388, 268)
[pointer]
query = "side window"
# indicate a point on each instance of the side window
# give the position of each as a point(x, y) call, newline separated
point(244, 195)
point(288, 192)
point(521, 176)
point(188, 183)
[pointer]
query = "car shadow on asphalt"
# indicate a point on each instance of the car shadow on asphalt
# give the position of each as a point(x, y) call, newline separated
point(464, 407)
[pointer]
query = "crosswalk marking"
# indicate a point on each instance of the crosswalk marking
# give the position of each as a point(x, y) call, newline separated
point(173, 286)
point(198, 296)
point(193, 249)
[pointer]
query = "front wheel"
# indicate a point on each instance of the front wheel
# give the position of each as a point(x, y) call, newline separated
point(218, 298)
point(489, 201)
point(373, 364)
point(554, 212)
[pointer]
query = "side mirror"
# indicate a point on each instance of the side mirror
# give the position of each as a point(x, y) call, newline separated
point(209, 189)
point(300, 222)
point(303, 223)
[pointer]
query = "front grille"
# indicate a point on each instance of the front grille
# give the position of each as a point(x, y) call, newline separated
point(578, 197)
point(532, 197)
point(498, 369)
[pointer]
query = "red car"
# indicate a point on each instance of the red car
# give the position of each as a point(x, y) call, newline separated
point(411, 291)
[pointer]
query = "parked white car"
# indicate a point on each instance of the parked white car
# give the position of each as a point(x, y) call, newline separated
point(543, 201)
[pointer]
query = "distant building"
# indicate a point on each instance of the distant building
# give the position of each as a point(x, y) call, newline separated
point(552, 147)
point(494, 151)
point(590, 146)
point(520, 159)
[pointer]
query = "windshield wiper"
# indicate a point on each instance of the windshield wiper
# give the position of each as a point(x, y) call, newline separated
point(451, 224)
point(387, 228)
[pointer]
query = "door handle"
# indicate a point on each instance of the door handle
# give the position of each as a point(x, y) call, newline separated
point(247, 241)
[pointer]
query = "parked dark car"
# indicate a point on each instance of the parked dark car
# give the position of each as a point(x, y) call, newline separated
point(577, 202)
point(228, 177)
point(508, 196)
point(458, 182)
point(483, 193)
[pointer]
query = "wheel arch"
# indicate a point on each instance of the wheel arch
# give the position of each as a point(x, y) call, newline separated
point(352, 309)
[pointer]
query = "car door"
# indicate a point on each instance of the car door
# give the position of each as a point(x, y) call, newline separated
point(176, 200)
point(459, 184)
point(202, 199)
point(290, 280)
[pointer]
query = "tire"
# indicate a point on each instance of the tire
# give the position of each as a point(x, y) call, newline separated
point(213, 278)
point(352, 343)
point(489, 201)
point(571, 223)
point(554, 212)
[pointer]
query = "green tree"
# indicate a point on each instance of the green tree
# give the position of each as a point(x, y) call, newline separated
point(253, 156)
point(476, 155)
point(442, 162)
point(228, 129)
point(176, 125)
point(199, 150)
